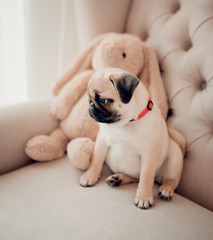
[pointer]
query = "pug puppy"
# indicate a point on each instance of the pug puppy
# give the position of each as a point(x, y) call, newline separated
point(133, 138)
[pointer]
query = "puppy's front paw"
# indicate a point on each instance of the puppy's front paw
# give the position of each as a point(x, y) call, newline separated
point(144, 201)
point(88, 179)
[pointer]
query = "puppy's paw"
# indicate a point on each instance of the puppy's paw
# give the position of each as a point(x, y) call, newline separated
point(144, 201)
point(114, 180)
point(88, 179)
point(165, 192)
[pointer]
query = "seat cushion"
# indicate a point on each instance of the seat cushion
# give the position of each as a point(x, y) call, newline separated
point(45, 201)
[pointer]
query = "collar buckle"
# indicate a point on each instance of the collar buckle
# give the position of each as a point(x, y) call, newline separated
point(150, 105)
point(145, 111)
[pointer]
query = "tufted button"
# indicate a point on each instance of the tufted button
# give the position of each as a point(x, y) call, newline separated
point(170, 113)
point(187, 45)
point(203, 85)
point(161, 69)
point(176, 7)
point(145, 36)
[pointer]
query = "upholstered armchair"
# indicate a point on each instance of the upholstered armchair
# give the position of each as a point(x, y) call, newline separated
point(43, 200)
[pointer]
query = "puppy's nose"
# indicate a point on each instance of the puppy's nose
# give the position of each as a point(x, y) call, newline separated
point(107, 45)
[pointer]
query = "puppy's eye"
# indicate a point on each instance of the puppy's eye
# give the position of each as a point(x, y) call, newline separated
point(124, 54)
point(103, 101)
point(91, 103)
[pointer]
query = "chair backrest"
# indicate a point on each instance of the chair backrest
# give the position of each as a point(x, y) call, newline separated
point(181, 32)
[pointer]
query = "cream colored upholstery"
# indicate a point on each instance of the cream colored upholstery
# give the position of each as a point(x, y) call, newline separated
point(18, 124)
point(182, 34)
point(45, 201)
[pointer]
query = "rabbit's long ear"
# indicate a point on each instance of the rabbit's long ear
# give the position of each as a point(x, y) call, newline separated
point(82, 62)
point(151, 78)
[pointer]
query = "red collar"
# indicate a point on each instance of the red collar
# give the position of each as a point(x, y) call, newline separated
point(145, 111)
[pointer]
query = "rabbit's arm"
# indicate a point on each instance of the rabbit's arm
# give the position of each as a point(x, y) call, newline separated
point(70, 94)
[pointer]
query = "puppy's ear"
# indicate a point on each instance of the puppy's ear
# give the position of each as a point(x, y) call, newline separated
point(126, 86)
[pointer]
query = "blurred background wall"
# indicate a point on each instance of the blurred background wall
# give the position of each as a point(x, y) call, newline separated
point(39, 38)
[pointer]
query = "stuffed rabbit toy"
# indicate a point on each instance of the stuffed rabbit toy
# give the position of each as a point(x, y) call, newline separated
point(70, 105)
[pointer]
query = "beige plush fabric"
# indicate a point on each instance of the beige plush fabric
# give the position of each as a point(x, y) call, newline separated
point(182, 34)
point(45, 201)
point(17, 124)
point(94, 17)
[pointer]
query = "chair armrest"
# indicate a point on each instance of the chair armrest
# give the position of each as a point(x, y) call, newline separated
point(19, 123)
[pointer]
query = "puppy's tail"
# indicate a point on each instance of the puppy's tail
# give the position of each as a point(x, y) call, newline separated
point(179, 139)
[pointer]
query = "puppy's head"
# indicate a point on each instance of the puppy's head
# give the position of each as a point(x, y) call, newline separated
point(111, 96)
